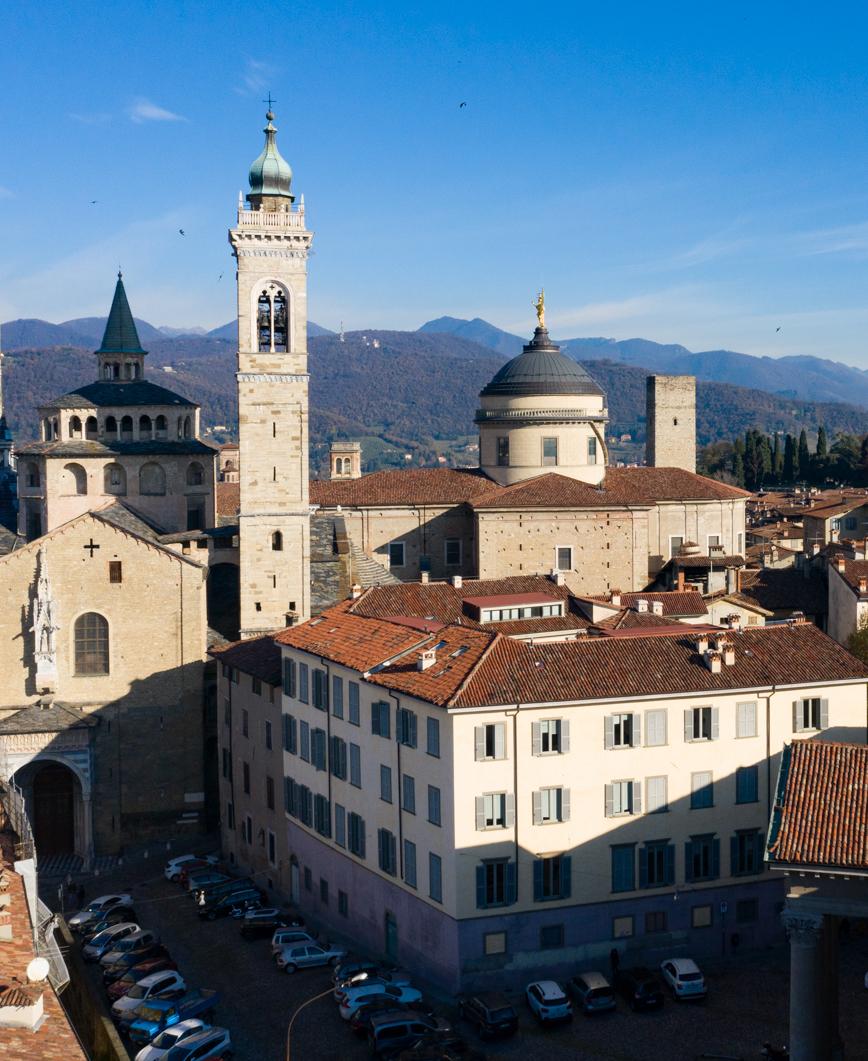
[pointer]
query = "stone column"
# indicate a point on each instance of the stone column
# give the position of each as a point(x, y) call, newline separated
point(804, 930)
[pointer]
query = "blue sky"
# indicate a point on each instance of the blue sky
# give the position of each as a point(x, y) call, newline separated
point(676, 172)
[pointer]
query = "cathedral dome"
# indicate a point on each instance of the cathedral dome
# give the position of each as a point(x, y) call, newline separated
point(541, 369)
point(270, 174)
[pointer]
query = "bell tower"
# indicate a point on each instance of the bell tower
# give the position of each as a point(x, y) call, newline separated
point(271, 245)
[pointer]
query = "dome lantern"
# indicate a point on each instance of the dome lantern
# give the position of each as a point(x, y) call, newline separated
point(270, 175)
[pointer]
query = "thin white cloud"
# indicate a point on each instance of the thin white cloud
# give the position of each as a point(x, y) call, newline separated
point(846, 239)
point(255, 78)
point(95, 118)
point(143, 110)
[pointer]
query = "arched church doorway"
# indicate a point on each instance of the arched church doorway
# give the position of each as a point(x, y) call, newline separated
point(54, 800)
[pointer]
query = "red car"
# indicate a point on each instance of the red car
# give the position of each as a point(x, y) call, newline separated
point(132, 976)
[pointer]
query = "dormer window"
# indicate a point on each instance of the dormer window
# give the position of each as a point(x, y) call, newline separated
point(511, 607)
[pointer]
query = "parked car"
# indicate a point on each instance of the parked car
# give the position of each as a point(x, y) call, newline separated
point(392, 1032)
point(157, 1014)
point(683, 978)
point(208, 1043)
point(200, 887)
point(284, 936)
point(104, 940)
point(265, 921)
point(119, 987)
point(438, 1047)
point(153, 986)
point(377, 975)
point(157, 1049)
point(134, 943)
point(116, 916)
point(305, 955)
point(592, 991)
point(350, 966)
point(204, 878)
point(230, 903)
point(490, 1013)
point(175, 865)
point(640, 987)
point(361, 1019)
point(547, 1001)
point(197, 865)
point(97, 909)
point(112, 973)
point(351, 998)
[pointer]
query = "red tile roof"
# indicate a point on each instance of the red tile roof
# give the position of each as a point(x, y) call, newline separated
point(821, 817)
point(675, 602)
point(404, 486)
point(553, 490)
point(228, 499)
point(853, 571)
point(670, 484)
point(259, 656)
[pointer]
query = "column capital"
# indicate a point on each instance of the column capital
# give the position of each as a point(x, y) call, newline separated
point(803, 927)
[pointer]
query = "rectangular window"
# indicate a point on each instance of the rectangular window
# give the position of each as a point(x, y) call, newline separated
point(549, 452)
point(386, 784)
point(340, 825)
point(304, 741)
point(702, 858)
point(406, 727)
point(564, 558)
point(269, 793)
point(656, 864)
point(303, 694)
point(246, 775)
point(656, 795)
point(387, 858)
point(623, 797)
point(503, 451)
point(343, 904)
point(318, 748)
point(230, 814)
point(322, 820)
point(655, 921)
point(323, 891)
point(305, 804)
point(268, 735)
point(408, 785)
point(812, 713)
point(115, 570)
point(745, 719)
point(490, 741)
point(551, 805)
point(247, 831)
point(410, 863)
point(337, 696)
point(701, 723)
point(623, 731)
point(355, 765)
point(592, 451)
point(494, 943)
point(356, 835)
point(655, 728)
point(290, 796)
point(227, 712)
point(320, 690)
point(746, 911)
point(308, 879)
point(491, 811)
point(675, 543)
point(433, 805)
point(552, 878)
point(245, 723)
point(747, 784)
point(746, 852)
point(432, 726)
point(380, 719)
point(701, 917)
point(290, 734)
point(435, 877)
point(623, 867)
point(495, 883)
point(452, 552)
point(396, 554)
point(353, 714)
point(713, 541)
point(289, 677)
point(338, 758)
point(256, 686)
point(551, 736)
point(701, 790)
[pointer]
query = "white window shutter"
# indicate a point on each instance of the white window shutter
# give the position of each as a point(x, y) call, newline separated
point(636, 741)
point(500, 741)
point(537, 807)
point(797, 716)
point(480, 812)
point(479, 740)
point(610, 801)
point(509, 815)
point(565, 735)
point(535, 738)
point(636, 797)
point(688, 723)
point(715, 723)
point(824, 712)
point(609, 741)
point(565, 804)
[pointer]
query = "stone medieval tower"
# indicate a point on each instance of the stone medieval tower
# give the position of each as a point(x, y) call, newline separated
point(271, 245)
point(670, 412)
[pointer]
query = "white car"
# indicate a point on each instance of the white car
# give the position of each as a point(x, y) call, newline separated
point(174, 866)
point(106, 941)
point(149, 987)
point(353, 997)
point(307, 956)
point(204, 1045)
point(97, 910)
point(684, 978)
point(161, 1044)
point(548, 1002)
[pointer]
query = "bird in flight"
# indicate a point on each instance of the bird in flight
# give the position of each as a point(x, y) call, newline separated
point(183, 233)
point(464, 104)
point(93, 202)
point(219, 278)
point(778, 328)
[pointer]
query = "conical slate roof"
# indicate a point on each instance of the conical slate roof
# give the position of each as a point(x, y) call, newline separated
point(120, 335)
point(270, 174)
point(541, 368)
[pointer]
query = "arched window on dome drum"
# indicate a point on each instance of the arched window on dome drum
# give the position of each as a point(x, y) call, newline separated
point(55, 428)
point(91, 633)
point(277, 542)
point(91, 427)
point(111, 426)
point(161, 427)
point(195, 474)
point(272, 320)
point(152, 479)
point(127, 429)
point(145, 427)
point(74, 427)
point(115, 479)
point(188, 430)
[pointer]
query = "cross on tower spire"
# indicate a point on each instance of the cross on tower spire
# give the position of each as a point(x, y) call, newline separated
point(270, 101)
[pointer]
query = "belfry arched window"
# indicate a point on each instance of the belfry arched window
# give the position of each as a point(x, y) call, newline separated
point(272, 320)
point(91, 644)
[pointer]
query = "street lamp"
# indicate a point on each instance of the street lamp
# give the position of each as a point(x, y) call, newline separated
point(322, 994)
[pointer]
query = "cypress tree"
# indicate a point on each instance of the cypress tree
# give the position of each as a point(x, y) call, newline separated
point(822, 444)
point(777, 459)
point(738, 462)
point(789, 470)
point(804, 456)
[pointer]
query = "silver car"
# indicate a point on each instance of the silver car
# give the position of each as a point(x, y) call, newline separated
point(306, 955)
point(104, 942)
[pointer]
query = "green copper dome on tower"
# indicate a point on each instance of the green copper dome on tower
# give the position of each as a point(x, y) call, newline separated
point(270, 174)
point(121, 336)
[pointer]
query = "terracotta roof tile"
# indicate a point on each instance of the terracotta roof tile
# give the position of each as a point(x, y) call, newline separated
point(786, 589)
point(675, 602)
point(403, 486)
point(259, 656)
point(670, 484)
point(853, 571)
point(821, 817)
point(553, 490)
point(228, 499)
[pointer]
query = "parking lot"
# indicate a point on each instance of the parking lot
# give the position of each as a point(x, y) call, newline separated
point(747, 1001)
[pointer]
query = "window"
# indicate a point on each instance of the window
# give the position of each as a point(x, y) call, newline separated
point(675, 544)
point(387, 858)
point(353, 716)
point(91, 644)
point(290, 735)
point(406, 727)
point(380, 719)
point(277, 542)
point(303, 683)
point(305, 805)
point(408, 785)
point(810, 714)
point(551, 736)
point(551, 805)
point(74, 479)
point(320, 690)
point(623, 797)
point(152, 479)
point(622, 927)
point(318, 748)
point(745, 719)
point(551, 937)
point(355, 766)
point(290, 796)
point(496, 883)
point(435, 877)
point(246, 775)
point(701, 790)
point(256, 686)
point(272, 320)
point(746, 911)
point(656, 795)
point(227, 763)
point(386, 784)
point(343, 904)
point(269, 793)
point(656, 864)
point(340, 825)
point(396, 554)
point(308, 879)
point(323, 891)
point(410, 863)
point(322, 820)
point(490, 741)
point(116, 571)
point(304, 741)
point(655, 921)
point(623, 867)
point(432, 726)
point(337, 696)
point(494, 943)
point(622, 731)
point(503, 451)
point(268, 741)
point(245, 722)
point(289, 675)
point(552, 878)
point(433, 805)
point(702, 858)
point(452, 552)
point(227, 705)
point(655, 728)
point(356, 835)
point(495, 810)
point(592, 451)
point(564, 558)
point(746, 852)
point(701, 723)
point(195, 474)
point(230, 814)
point(549, 452)
point(114, 479)
point(247, 829)
point(701, 916)
point(338, 758)
point(747, 784)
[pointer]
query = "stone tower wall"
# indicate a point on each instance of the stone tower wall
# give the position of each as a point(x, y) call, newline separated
point(671, 422)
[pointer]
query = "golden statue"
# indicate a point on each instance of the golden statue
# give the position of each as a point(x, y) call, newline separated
point(540, 307)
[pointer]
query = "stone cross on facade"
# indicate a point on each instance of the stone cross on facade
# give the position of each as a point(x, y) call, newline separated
point(44, 629)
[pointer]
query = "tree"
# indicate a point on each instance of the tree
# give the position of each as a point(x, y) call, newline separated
point(777, 458)
point(858, 640)
point(738, 461)
point(789, 470)
point(804, 456)
point(822, 445)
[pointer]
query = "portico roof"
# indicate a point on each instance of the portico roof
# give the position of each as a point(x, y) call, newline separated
point(53, 718)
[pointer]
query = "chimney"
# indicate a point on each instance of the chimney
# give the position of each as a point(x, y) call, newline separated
point(557, 577)
point(815, 549)
point(423, 577)
point(733, 621)
point(713, 662)
point(427, 658)
point(615, 598)
point(355, 591)
point(679, 585)
point(702, 644)
point(457, 581)
point(729, 654)
point(863, 583)
point(840, 564)
point(731, 580)
point(657, 607)
point(641, 605)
